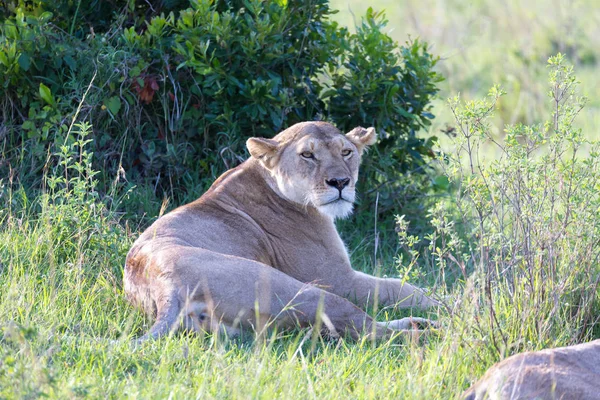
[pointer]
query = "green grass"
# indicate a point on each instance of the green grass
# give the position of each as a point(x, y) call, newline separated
point(66, 331)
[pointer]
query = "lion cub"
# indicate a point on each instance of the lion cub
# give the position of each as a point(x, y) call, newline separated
point(260, 246)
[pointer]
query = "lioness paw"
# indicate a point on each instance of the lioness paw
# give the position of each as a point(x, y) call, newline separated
point(412, 323)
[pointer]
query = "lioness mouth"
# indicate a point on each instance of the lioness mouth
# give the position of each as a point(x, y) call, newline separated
point(335, 201)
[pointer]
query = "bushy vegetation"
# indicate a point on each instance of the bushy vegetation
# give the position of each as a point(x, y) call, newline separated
point(533, 226)
point(174, 89)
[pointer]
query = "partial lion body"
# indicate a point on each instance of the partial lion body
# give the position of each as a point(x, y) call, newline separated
point(244, 255)
point(571, 372)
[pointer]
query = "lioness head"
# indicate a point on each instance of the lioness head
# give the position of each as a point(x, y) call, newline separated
point(315, 164)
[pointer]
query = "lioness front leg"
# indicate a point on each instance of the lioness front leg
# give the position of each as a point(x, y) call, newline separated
point(367, 289)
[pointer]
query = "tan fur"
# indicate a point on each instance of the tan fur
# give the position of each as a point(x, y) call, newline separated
point(260, 247)
point(562, 373)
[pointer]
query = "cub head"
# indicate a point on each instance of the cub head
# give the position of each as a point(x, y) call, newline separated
point(314, 164)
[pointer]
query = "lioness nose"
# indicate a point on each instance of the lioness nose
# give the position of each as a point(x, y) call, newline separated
point(338, 183)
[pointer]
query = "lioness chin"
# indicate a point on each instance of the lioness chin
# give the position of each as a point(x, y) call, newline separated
point(260, 246)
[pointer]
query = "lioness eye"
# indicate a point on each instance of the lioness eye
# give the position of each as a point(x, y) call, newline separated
point(346, 152)
point(307, 154)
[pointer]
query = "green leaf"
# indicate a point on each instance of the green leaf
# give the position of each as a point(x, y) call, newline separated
point(113, 104)
point(70, 62)
point(24, 61)
point(46, 94)
point(441, 182)
point(135, 72)
point(45, 17)
point(4, 59)
point(28, 125)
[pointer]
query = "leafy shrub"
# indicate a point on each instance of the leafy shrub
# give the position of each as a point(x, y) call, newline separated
point(390, 88)
point(522, 232)
point(173, 100)
point(80, 17)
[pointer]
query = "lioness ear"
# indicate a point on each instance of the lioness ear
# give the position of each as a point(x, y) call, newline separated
point(263, 150)
point(362, 137)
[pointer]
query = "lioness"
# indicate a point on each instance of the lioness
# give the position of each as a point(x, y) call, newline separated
point(260, 246)
point(571, 372)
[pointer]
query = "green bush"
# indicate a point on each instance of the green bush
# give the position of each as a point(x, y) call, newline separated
point(391, 88)
point(173, 100)
point(80, 17)
point(522, 231)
